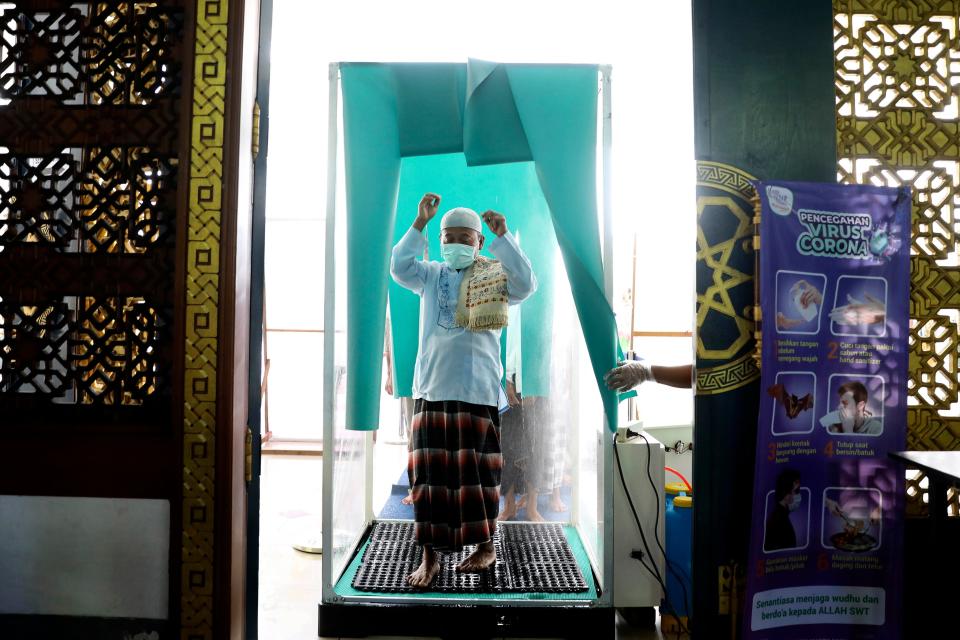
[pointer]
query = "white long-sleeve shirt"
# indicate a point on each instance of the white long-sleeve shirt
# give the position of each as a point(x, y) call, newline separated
point(452, 362)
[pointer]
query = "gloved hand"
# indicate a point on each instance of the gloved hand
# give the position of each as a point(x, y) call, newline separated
point(629, 374)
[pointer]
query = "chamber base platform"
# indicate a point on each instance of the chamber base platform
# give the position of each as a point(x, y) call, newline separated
point(465, 613)
point(460, 622)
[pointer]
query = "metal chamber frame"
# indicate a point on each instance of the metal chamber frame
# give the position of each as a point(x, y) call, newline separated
point(340, 447)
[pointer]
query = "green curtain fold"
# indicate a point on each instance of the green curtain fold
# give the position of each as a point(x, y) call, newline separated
point(372, 165)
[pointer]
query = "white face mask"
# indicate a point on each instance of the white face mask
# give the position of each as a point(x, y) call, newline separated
point(458, 256)
point(796, 502)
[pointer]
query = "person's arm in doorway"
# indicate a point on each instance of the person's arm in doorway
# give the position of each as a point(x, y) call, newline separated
point(409, 272)
point(632, 373)
point(680, 376)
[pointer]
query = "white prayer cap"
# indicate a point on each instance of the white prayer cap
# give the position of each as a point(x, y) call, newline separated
point(461, 217)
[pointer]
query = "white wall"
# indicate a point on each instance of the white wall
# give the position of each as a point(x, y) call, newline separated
point(84, 556)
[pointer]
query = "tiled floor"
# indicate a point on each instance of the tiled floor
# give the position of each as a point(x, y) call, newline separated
point(290, 514)
point(289, 579)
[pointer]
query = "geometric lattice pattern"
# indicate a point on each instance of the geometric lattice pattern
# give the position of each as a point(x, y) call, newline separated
point(203, 294)
point(89, 131)
point(99, 53)
point(953, 502)
point(109, 200)
point(114, 350)
point(918, 496)
point(35, 350)
point(37, 198)
point(88, 350)
point(898, 124)
point(127, 200)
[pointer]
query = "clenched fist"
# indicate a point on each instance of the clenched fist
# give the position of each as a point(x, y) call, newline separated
point(429, 204)
point(496, 222)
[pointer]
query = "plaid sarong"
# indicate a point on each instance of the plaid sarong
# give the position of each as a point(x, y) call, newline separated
point(454, 469)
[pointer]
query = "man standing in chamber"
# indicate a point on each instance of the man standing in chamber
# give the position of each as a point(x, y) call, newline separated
point(455, 461)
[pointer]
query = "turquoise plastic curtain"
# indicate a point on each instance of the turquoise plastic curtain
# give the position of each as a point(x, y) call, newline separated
point(526, 120)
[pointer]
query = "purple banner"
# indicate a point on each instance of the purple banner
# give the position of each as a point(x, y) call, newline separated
point(826, 541)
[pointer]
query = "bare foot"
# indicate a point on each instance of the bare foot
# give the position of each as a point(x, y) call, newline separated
point(408, 499)
point(509, 506)
point(556, 504)
point(509, 511)
point(533, 512)
point(534, 516)
point(479, 560)
point(424, 575)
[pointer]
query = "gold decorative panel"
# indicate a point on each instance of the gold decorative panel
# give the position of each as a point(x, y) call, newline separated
point(90, 99)
point(898, 123)
point(725, 264)
point(92, 222)
point(203, 294)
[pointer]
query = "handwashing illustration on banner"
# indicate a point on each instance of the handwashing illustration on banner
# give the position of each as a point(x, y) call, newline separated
point(826, 539)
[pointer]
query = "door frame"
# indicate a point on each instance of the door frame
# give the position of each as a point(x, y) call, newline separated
point(257, 311)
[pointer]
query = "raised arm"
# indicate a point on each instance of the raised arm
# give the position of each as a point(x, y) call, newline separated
point(409, 272)
point(521, 282)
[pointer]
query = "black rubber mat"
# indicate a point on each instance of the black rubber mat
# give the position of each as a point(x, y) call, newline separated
point(531, 558)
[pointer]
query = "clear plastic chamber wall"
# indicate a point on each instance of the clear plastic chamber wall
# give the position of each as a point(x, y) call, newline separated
point(554, 342)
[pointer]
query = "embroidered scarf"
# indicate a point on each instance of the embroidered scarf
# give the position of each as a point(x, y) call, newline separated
point(483, 302)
